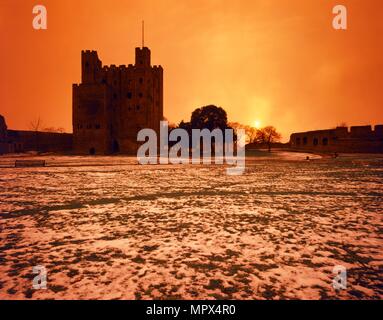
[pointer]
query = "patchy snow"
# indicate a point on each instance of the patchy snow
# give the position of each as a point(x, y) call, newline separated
point(107, 228)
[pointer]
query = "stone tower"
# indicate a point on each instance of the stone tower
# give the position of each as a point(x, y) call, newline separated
point(112, 104)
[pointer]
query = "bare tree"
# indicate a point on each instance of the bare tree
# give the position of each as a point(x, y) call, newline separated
point(251, 132)
point(36, 124)
point(268, 135)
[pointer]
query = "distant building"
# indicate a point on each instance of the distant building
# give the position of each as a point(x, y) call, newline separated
point(340, 139)
point(7, 145)
point(24, 141)
point(3, 129)
point(4, 143)
point(112, 104)
point(17, 141)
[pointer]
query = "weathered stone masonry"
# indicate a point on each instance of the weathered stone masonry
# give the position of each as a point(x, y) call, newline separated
point(113, 103)
point(340, 139)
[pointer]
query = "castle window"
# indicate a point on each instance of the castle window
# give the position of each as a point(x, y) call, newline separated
point(129, 95)
point(325, 141)
point(315, 141)
point(304, 140)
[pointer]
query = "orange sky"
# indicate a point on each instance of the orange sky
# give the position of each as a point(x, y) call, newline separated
point(279, 62)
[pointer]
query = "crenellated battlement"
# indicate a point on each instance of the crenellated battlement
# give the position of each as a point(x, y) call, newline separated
point(113, 102)
point(89, 51)
point(340, 139)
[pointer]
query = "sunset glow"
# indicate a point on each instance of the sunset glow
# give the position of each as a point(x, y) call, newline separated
point(257, 124)
point(283, 55)
point(174, 152)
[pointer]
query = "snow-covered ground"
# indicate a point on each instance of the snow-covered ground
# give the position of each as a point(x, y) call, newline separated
point(107, 228)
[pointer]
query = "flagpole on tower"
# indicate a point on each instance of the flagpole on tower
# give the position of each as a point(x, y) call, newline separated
point(143, 33)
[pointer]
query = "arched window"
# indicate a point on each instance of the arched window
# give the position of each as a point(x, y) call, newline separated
point(315, 141)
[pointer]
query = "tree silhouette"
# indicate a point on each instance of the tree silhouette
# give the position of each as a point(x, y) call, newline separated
point(251, 132)
point(35, 126)
point(209, 117)
point(268, 135)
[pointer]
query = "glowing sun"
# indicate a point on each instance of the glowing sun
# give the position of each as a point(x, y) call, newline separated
point(257, 124)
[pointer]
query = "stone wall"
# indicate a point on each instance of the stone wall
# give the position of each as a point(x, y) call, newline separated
point(24, 141)
point(341, 139)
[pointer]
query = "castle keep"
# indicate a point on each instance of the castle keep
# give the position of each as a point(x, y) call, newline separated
point(111, 104)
